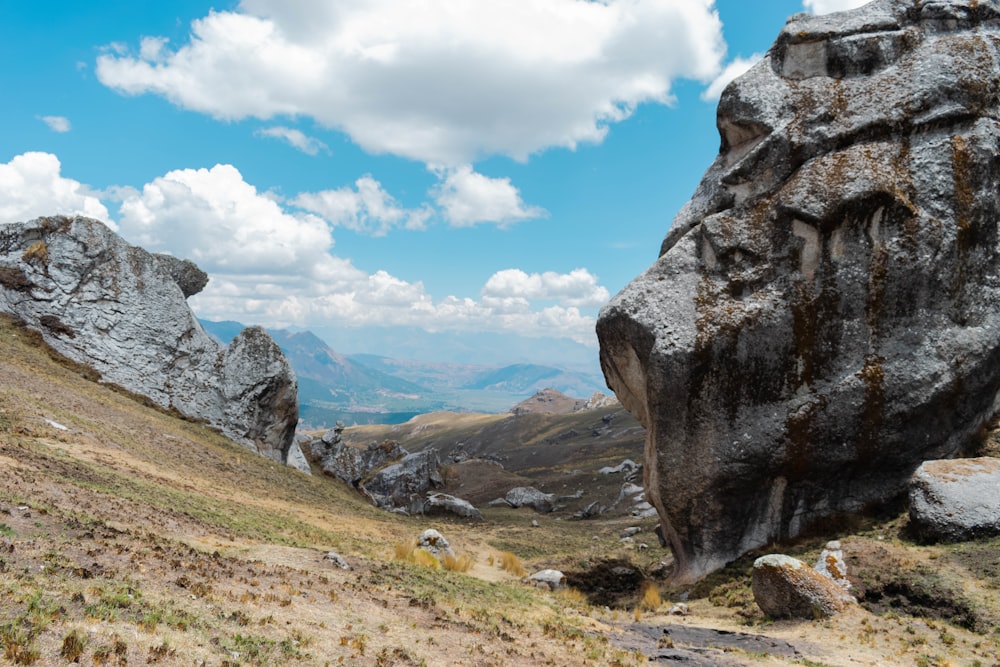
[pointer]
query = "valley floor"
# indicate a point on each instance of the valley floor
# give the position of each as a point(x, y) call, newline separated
point(129, 536)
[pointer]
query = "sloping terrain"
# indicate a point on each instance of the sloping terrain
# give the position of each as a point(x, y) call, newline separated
point(129, 536)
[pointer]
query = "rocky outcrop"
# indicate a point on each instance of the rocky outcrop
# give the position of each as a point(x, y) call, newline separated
point(350, 464)
point(404, 484)
point(529, 496)
point(442, 503)
point(825, 311)
point(784, 587)
point(956, 500)
point(122, 311)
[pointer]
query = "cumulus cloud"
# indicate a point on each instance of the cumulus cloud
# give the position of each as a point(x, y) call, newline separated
point(274, 266)
point(31, 185)
point(578, 288)
point(467, 198)
point(56, 123)
point(438, 81)
point(733, 70)
point(830, 6)
point(295, 138)
point(367, 208)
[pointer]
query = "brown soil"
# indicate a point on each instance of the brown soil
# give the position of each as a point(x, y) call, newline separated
point(129, 536)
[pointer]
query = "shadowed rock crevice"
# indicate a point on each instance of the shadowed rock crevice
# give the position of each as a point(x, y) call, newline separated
point(825, 313)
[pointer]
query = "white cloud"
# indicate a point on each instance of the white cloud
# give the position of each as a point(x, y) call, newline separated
point(56, 123)
point(733, 70)
point(295, 138)
point(31, 186)
point(577, 288)
point(830, 6)
point(438, 81)
point(367, 208)
point(467, 198)
point(215, 218)
point(274, 267)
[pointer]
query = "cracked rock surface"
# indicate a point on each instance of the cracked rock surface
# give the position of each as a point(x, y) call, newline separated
point(122, 311)
point(825, 311)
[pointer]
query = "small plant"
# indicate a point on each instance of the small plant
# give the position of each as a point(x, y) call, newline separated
point(6, 530)
point(511, 563)
point(157, 653)
point(37, 251)
point(462, 563)
point(73, 646)
point(649, 596)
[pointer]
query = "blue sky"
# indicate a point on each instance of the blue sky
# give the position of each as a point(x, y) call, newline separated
point(364, 168)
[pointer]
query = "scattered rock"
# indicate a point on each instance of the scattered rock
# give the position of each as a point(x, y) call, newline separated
point(591, 511)
point(296, 459)
point(824, 314)
point(551, 579)
point(534, 523)
point(627, 466)
point(679, 609)
point(831, 564)
point(397, 484)
point(434, 543)
point(630, 531)
point(785, 587)
point(956, 500)
point(122, 311)
point(441, 502)
point(337, 560)
point(529, 496)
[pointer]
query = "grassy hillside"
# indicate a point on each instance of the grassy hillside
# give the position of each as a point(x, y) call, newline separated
point(129, 536)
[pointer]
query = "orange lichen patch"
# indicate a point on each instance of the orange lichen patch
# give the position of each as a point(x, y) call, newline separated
point(955, 469)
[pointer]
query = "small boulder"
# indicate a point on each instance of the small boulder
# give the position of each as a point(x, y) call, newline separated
point(785, 587)
point(434, 543)
point(529, 496)
point(551, 579)
point(337, 559)
point(627, 466)
point(831, 564)
point(956, 500)
point(442, 502)
point(296, 459)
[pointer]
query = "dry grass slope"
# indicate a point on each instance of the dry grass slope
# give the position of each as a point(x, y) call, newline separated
point(129, 536)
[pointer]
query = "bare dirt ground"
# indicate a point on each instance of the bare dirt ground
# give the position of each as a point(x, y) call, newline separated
point(129, 536)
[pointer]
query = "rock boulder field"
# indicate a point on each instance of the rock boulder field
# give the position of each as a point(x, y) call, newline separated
point(123, 311)
point(825, 311)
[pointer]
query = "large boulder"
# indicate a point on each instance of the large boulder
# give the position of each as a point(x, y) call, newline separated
point(956, 500)
point(825, 311)
point(784, 587)
point(122, 311)
point(405, 483)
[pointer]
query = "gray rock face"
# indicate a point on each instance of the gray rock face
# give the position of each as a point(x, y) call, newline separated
point(443, 503)
point(956, 500)
point(350, 464)
point(825, 311)
point(399, 484)
point(784, 587)
point(529, 496)
point(121, 310)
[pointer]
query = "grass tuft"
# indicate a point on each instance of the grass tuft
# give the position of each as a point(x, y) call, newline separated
point(511, 563)
point(461, 563)
point(649, 596)
point(73, 646)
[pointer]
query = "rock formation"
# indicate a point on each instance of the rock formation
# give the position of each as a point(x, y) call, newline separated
point(786, 587)
point(956, 500)
point(825, 311)
point(122, 311)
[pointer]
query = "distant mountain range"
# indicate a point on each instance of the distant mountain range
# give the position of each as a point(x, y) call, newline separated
point(372, 389)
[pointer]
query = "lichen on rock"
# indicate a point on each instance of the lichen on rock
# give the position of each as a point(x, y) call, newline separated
point(825, 311)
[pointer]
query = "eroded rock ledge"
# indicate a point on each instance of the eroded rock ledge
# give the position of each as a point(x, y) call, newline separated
point(825, 311)
point(122, 311)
